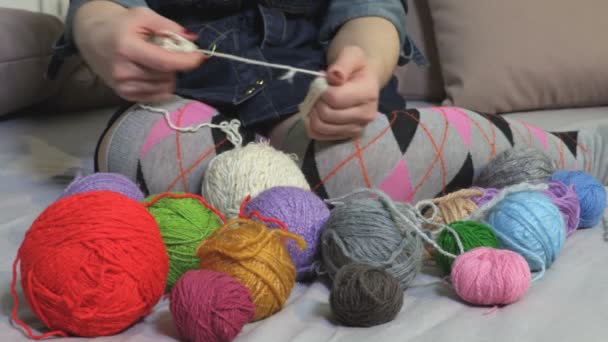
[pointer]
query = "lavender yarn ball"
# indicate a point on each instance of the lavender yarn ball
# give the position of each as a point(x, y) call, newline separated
point(590, 192)
point(303, 212)
point(104, 181)
point(566, 200)
point(488, 195)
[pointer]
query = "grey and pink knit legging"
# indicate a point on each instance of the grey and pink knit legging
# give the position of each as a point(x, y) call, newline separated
point(409, 154)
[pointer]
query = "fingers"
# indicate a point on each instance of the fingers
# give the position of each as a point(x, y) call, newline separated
point(154, 57)
point(189, 35)
point(138, 87)
point(358, 115)
point(344, 110)
point(149, 18)
point(128, 71)
point(136, 46)
point(350, 60)
point(321, 130)
point(351, 94)
point(158, 24)
point(141, 91)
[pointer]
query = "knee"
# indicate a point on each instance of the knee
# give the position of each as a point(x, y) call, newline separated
point(103, 144)
point(140, 128)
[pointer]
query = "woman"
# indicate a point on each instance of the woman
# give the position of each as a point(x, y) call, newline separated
point(343, 143)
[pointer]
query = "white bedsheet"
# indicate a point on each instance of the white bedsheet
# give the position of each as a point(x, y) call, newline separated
point(40, 155)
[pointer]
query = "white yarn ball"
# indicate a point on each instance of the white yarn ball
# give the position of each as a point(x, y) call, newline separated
point(249, 170)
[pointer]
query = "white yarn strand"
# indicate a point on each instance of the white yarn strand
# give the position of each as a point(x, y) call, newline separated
point(173, 42)
point(230, 128)
point(176, 43)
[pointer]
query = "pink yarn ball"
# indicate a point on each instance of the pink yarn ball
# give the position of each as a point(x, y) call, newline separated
point(209, 306)
point(488, 276)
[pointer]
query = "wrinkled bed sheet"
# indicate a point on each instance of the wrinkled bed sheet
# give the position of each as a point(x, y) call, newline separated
point(40, 154)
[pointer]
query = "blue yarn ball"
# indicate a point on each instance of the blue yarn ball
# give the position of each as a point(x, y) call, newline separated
point(529, 224)
point(590, 192)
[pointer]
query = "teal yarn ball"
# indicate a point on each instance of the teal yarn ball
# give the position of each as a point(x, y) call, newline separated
point(590, 192)
point(529, 224)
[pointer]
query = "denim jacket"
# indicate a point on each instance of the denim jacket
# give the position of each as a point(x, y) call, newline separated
point(294, 32)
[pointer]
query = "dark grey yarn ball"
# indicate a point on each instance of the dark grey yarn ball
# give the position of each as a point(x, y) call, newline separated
point(365, 231)
point(365, 296)
point(514, 166)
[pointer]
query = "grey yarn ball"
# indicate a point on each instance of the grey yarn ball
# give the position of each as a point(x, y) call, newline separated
point(365, 296)
point(364, 231)
point(514, 166)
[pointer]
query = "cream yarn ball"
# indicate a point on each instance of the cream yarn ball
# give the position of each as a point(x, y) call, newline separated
point(249, 170)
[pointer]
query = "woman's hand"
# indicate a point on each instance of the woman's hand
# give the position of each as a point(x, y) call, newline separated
point(351, 101)
point(114, 41)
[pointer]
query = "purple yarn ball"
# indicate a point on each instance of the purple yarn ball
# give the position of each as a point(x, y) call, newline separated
point(104, 181)
point(563, 196)
point(566, 200)
point(303, 212)
point(488, 195)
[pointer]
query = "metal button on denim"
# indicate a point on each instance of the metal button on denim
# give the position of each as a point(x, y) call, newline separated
point(292, 32)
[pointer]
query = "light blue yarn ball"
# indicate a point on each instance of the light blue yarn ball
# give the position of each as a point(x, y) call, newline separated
point(590, 192)
point(529, 224)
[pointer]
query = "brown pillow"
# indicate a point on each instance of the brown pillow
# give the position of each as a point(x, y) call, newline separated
point(78, 88)
point(502, 56)
point(419, 82)
point(26, 39)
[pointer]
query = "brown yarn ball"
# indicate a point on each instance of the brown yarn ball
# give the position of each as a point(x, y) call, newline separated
point(365, 296)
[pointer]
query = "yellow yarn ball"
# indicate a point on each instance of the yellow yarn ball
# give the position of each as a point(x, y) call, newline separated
point(255, 255)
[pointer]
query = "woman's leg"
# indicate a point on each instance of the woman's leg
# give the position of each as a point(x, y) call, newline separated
point(411, 155)
point(419, 154)
point(141, 145)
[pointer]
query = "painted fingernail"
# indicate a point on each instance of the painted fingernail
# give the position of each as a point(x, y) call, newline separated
point(337, 77)
point(188, 32)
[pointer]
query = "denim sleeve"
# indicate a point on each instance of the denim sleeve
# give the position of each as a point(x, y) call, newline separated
point(65, 45)
point(395, 11)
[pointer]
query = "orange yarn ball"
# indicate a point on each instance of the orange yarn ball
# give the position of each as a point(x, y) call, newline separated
point(255, 255)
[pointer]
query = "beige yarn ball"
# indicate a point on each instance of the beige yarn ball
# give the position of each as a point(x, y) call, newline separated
point(249, 170)
point(455, 206)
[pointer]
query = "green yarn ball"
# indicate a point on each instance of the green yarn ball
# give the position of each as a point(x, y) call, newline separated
point(184, 223)
point(472, 235)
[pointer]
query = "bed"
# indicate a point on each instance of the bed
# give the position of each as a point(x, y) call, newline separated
point(41, 152)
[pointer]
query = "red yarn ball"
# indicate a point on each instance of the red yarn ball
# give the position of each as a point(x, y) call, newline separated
point(92, 264)
point(210, 306)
